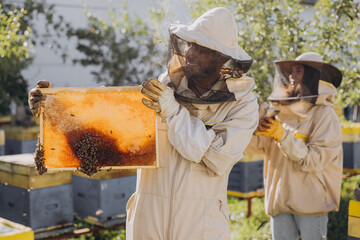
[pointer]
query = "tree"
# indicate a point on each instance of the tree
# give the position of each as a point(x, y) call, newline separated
point(124, 50)
point(17, 36)
point(14, 56)
point(336, 35)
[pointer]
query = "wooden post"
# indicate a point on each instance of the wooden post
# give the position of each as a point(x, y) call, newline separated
point(355, 113)
point(249, 207)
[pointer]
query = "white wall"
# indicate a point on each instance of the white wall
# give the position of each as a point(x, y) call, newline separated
point(49, 65)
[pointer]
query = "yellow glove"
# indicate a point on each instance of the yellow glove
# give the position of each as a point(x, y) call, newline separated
point(271, 127)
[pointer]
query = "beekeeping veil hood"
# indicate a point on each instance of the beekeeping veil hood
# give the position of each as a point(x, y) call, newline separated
point(214, 31)
point(319, 79)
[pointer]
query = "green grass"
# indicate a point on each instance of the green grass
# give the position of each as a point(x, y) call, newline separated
point(113, 234)
point(257, 226)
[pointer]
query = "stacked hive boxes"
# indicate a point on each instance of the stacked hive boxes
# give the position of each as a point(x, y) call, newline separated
point(246, 177)
point(351, 145)
point(14, 231)
point(20, 140)
point(354, 220)
point(40, 202)
point(101, 199)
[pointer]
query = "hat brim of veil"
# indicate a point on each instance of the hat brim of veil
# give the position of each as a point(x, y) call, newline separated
point(328, 72)
point(189, 34)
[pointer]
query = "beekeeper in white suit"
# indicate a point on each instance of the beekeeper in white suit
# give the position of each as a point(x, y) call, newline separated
point(208, 116)
point(303, 149)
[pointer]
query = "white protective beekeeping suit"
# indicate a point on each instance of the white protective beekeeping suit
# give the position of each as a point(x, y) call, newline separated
point(303, 169)
point(199, 141)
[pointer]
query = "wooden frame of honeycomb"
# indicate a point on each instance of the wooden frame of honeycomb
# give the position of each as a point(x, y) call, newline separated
point(101, 127)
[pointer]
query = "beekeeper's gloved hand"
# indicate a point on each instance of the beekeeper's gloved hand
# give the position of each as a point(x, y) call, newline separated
point(162, 98)
point(36, 97)
point(271, 127)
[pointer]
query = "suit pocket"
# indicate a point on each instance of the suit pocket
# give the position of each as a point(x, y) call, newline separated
point(217, 224)
point(307, 193)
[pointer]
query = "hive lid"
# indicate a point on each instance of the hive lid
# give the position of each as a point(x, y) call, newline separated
point(350, 132)
point(19, 170)
point(19, 163)
point(12, 230)
point(105, 126)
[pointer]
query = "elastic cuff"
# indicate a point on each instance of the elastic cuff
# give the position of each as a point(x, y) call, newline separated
point(286, 132)
point(170, 111)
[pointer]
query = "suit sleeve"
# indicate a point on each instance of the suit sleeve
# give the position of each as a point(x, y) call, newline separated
point(323, 146)
point(220, 147)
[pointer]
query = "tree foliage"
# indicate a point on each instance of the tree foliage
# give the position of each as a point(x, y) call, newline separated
point(336, 34)
point(275, 30)
point(124, 50)
point(14, 56)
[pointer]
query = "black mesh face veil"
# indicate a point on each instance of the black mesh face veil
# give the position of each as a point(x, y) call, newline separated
point(294, 82)
point(194, 64)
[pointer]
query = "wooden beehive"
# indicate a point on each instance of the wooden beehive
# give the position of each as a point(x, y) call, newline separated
point(354, 220)
point(19, 171)
point(44, 203)
point(107, 126)
point(351, 146)
point(19, 139)
point(101, 199)
point(246, 177)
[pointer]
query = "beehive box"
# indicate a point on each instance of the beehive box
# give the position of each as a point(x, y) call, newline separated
point(351, 145)
point(2, 142)
point(40, 202)
point(104, 126)
point(246, 177)
point(20, 140)
point(6, 120)
point(101, 199)
point(354, 220)
point(13, 231)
